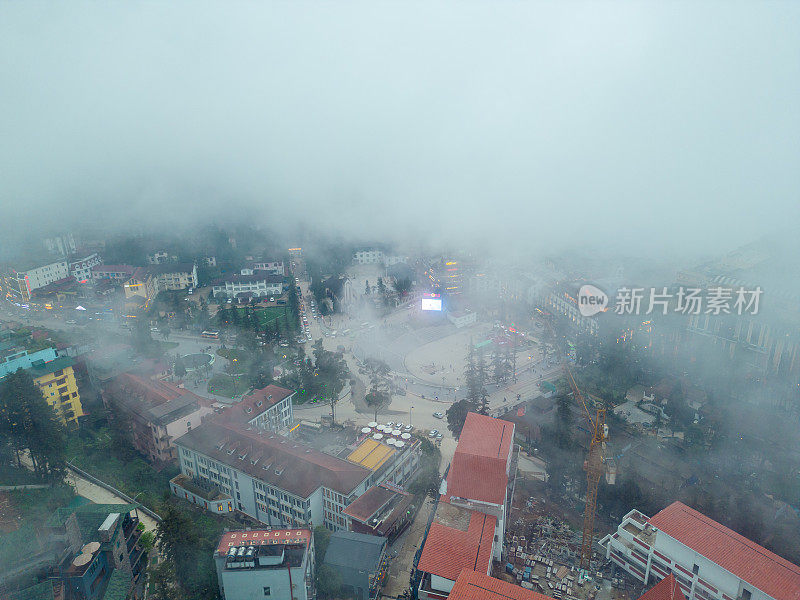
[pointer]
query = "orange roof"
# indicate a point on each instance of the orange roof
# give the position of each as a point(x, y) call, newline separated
point(472, 585)
point(666, 589)
point(478, 468)
point(756, 565)
point(258, 537)
point(449, 551)
point(477, 478)
point(486, 436)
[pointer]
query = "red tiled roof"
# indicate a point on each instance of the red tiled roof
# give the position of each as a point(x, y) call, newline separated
point(257, 537)
point(666, 589)
point(472, 585)
point(478, 468)
point(477, 478)
point(486, 436)
point(744, 558)
point(449, 551)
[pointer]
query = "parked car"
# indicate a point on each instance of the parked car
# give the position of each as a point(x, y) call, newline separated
point(433, 433)
point(438, 415)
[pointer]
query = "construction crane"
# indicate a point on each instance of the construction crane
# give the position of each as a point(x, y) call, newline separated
point(593, 464)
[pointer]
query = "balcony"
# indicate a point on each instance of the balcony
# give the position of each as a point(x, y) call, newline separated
point(129, 525)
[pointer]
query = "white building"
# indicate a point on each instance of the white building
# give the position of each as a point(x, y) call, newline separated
point(161, 257)
point(24, 281)
point(709, 561)
point(275, 267)
point(62, 245)
point(277, 480)
point(258, 283)
point(273, 564)
point(368, 257)
point(81, 268)
point(463, 318)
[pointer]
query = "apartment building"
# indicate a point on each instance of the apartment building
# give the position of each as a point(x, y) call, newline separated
point(369, 256)
point(708, 560)
point(154, 413)
point(21, 282)
point(52, 374)
point(266, 563)
point(269, 408)
point(274, 267)
point(81, 268)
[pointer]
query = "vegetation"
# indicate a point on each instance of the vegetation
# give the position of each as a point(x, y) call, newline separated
point(379, 394)
point(229, 386)
point(426, 483)
point(29, 425)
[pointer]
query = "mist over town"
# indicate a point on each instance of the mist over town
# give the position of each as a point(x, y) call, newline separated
point(431, 301)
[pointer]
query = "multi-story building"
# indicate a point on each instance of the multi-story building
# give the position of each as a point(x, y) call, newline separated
point(274, 267)
point(361, 562)
point(384, 510)
point(463, 318)
point(257, 284)
point(153, 413)
point(81, 268)
point(89, 552)
point(56, 380)
point(117, 273)
point(708, 560)
point(53, 375)
point(238, 464)
point(266, 563)
point(470, 520)
point(270, 408)
point(62, 245)
point(369, 256)
point(20, 283)
point(174, 276)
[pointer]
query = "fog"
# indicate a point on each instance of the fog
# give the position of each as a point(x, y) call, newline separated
point(658, 128)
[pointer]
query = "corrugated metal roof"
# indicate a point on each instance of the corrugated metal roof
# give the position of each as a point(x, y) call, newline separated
point(371, 454)
point(756, 565)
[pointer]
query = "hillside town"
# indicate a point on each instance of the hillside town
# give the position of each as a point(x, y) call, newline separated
point(362, 423)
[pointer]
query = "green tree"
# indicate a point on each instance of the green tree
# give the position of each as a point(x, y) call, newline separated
point(179, 368)
point(367, 289)
point(402, 286)
point(382, 292)
point(27, 422)
point(481, 375)
point(332, 374)
point(457, 415)
point(329, 583)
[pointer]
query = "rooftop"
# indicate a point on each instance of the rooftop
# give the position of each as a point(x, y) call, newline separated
point(157, 401)
point(274, 459)
point(371, 454)
point(752, 563)
point(113, 269)
point(448, 551)
point(472, 585)
point(257, 276)
point(379, 507)
point(478, 468)
point(262, 537)
point(255, 403)
point(666, 589)
point(355, 550)
point(486, 436)
point(40, 369)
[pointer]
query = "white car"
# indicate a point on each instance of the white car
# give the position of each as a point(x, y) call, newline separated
point(438, 415)
point(433, 433)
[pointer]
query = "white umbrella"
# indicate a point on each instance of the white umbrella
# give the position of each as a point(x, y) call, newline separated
point(377, 436)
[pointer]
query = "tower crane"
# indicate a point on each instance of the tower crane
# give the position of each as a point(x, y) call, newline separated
point(593, 464)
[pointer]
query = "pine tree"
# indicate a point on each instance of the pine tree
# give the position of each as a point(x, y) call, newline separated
point(481, 375)
point(367, 289)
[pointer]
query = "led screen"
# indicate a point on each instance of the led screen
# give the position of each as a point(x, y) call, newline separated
point(431, 304)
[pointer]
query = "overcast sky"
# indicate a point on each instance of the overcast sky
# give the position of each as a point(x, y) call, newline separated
point(649, 125)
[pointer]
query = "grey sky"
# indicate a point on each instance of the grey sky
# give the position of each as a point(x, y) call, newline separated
point(641, 124)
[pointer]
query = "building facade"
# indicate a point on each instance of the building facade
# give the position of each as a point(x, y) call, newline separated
point(274, 564)
point(81, 268)
point(709, 561)
point(371, 256)
point(153, 413)
point(20, 283)
point(257, 284)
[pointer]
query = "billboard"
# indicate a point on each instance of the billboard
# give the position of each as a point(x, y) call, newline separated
point(432, 304)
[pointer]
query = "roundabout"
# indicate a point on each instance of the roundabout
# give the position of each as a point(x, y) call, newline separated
point(200, 360)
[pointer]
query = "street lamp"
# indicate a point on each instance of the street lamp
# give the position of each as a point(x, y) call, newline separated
point(409, 414)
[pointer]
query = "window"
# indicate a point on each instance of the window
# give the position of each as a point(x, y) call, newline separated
point(266, 591)
point(695, 569)
point(746, 594)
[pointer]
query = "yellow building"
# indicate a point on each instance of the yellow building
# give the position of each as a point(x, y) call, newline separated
point(56, 379)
